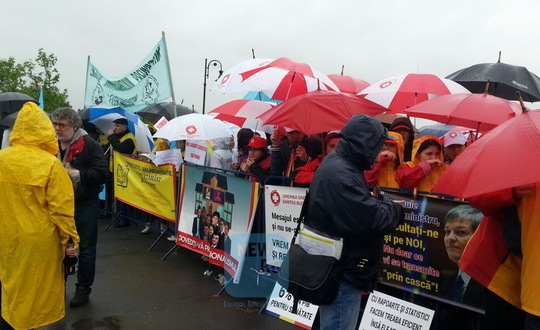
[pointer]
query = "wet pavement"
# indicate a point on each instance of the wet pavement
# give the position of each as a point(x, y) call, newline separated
point(135, 289)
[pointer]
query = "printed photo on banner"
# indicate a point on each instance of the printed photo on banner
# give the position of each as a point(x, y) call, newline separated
point(282, 210)
point(145, 186)
point(216, 216)
point(422, 255)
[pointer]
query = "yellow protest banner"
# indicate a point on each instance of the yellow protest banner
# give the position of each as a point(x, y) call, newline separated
point(145, 186)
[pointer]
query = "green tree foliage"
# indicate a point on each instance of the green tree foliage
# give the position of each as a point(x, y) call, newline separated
point(29, 77)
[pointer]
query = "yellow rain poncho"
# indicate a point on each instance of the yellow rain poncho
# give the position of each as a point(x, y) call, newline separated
point(36, 221)
point(410, 175)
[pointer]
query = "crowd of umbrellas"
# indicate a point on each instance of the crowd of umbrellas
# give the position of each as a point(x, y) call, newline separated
point(486, 97)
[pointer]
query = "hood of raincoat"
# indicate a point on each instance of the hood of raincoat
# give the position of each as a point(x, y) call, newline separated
point(33, 127)
point(418, 142)
point(400, 145)
point(221, 143)
point(361, 140)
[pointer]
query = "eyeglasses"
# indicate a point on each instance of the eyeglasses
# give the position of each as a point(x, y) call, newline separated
point(60, 125)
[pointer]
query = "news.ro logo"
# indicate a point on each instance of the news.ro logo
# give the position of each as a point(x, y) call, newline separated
point(258, 272)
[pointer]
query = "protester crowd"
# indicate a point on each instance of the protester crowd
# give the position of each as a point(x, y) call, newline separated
point(57, 168)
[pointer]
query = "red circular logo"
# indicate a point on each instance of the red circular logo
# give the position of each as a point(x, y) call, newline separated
point(386, 84)
point(191, 129)
point(275, 197)
point(225, 78)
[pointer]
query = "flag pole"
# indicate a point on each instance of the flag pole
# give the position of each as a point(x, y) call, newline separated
point(170, 75)
point(86, 81)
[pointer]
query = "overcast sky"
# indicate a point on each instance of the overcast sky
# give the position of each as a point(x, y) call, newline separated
point(372, 39)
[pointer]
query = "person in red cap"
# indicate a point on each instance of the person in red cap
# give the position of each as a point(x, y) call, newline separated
point(258, 161)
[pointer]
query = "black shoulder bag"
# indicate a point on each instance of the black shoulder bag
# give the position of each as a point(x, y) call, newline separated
point(308, 277)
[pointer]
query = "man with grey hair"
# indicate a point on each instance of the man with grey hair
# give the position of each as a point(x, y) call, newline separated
point(87, 167)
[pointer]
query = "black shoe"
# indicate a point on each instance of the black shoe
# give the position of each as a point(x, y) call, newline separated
point(122, 224)
point(81, 297)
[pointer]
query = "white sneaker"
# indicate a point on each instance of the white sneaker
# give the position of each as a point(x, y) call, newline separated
point(146, 230)
point(171, 238)
point(220, 278)
point(207, 272)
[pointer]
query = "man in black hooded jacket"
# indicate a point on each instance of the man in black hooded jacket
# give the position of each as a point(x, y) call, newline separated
point(341, 205)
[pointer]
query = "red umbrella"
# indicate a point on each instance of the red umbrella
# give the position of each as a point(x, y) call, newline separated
point(478, 111)
point(348, 84)
point(508, 156)
point(319, 111)
point(282, 79)
point(243, 112)
point(398, 93)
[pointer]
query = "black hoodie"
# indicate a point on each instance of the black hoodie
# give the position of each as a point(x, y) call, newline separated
point(341, 204)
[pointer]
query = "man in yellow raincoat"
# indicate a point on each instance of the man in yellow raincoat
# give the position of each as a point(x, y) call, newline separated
point(36, 221)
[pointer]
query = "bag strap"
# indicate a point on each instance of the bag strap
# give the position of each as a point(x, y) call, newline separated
point(303, 215)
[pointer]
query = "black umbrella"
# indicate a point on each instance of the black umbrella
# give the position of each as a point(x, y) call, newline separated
point(504, 79)
point(13, 101)
point(154, 112)
point(7, 120)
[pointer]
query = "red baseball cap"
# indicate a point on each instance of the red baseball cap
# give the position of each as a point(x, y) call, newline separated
point(257, 142)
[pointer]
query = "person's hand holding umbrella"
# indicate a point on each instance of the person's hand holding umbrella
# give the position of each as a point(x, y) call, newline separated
point(276, 136)
point(301, 153)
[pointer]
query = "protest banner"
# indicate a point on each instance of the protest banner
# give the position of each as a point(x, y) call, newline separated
point(145, 186)
point(148, 83)
point(282, 209)
point(384, 312)
point(280, 305)
point(236, 201)
point(415, 257)
point(169, 156)
point(196, 152)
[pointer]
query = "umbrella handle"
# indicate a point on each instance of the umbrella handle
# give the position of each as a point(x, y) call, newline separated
point(523, 108)
point(487, 87)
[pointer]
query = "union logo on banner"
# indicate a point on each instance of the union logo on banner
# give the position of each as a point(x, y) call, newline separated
point(275, 197)
point(191, 129)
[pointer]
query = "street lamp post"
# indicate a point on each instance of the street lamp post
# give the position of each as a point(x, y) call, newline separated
point(207, 64)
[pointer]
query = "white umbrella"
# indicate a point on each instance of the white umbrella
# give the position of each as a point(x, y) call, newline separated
point(193, 127)
point(231, 81)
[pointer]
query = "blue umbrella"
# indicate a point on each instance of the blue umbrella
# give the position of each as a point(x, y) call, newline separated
point(103, 119)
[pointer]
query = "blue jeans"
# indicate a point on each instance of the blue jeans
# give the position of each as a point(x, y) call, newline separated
point(343, 313)
point(86, 222)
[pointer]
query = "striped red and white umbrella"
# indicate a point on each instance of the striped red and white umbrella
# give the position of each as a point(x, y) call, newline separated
point(243, 113)
point(231, 80)
point(283, 79)
point(398, 93)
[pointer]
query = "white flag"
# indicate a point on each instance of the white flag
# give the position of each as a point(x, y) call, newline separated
point(149, 83)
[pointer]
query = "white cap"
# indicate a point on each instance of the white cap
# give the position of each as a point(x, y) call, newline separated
point(454, 137)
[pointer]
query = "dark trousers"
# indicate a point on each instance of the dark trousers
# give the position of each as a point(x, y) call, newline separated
point(86, 222)
point(501, 315)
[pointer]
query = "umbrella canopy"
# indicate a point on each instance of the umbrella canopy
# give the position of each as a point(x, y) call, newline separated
point(348, 84)
point(231, 80)
point(398, 93)
point(282, 79)
point(193, 127)
point(154, 112)
point(13, 101)
point(438, 130)
point(505, 157)
point(243, 113)
point(103, 119)
point(478, 111)
point(505, 80)
point(319, 111)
